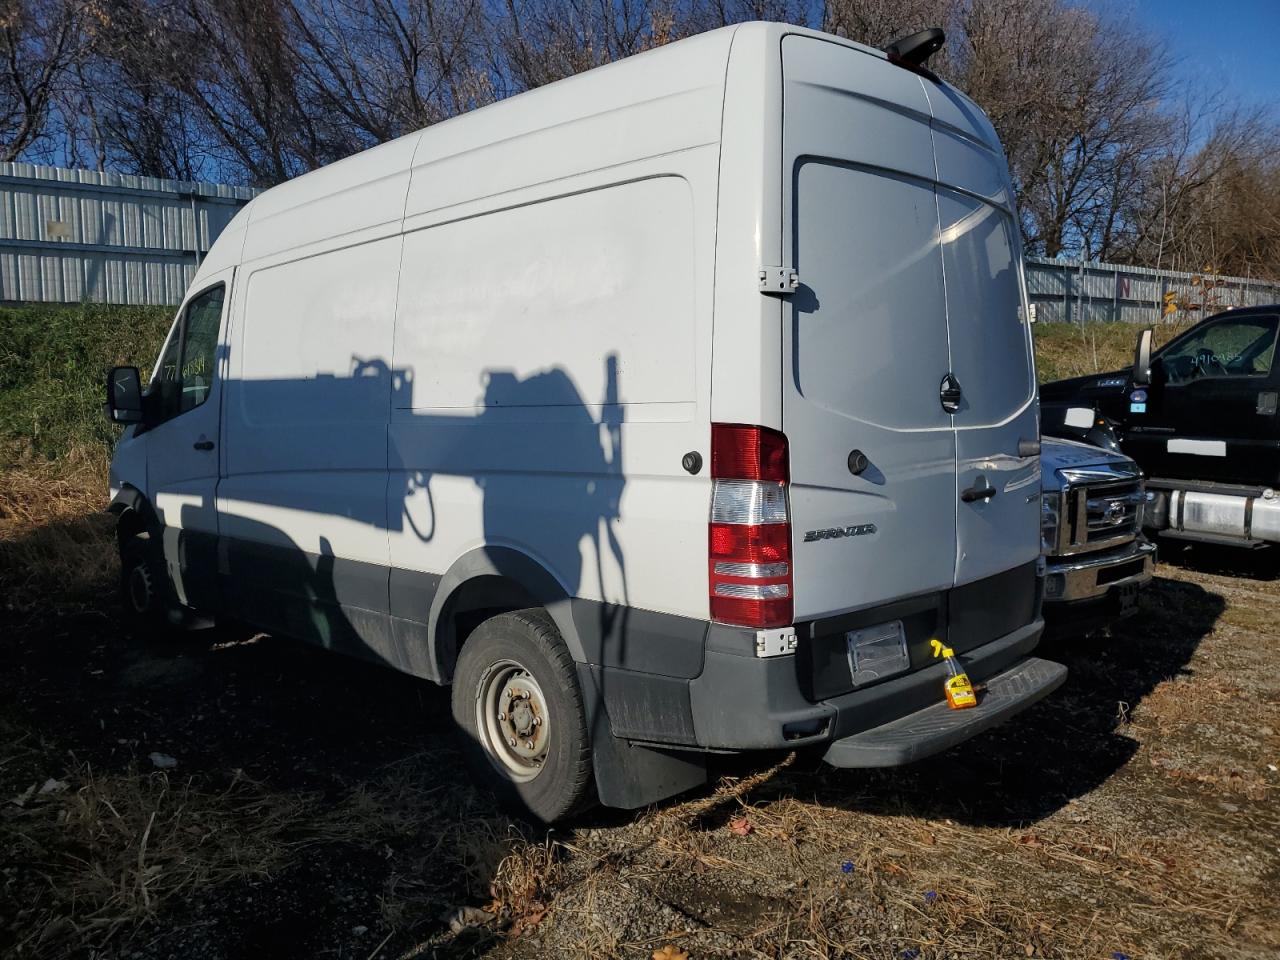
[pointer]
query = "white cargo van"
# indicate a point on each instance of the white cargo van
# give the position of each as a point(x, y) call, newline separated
point(669, 409)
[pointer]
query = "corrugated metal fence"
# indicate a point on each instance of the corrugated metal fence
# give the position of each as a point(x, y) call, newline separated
point(1073, 291)
point(73, 235)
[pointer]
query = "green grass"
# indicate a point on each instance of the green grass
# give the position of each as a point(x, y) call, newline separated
point(1072, 350)
point(53, 364)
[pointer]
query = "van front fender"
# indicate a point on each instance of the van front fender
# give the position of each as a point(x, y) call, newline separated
point(129, 499)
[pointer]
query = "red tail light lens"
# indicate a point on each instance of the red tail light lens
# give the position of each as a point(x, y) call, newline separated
point(749, 550)
point(740, 452)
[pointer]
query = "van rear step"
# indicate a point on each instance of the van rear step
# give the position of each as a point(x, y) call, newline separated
point(937, 727)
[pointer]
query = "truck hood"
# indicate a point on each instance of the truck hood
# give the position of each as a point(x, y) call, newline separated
point(1056, 455)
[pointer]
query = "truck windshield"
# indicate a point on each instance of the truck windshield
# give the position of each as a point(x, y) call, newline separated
point(1230, 347)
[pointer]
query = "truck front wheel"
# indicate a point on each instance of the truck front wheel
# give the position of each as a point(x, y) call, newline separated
point(517, 702)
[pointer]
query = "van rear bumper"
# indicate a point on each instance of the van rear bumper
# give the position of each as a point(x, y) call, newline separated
point(741, 702)
point(936, 728)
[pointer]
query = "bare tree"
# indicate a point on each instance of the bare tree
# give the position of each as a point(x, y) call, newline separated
point(386, 67)
point(39, 39)
point(1214, 200)
point(126, 107)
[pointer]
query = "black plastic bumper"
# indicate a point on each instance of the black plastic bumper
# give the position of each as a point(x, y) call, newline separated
point(936, 728)
point(742, 702)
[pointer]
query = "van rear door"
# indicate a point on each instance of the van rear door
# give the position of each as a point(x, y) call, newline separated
point(998, 508)
point(866, 343)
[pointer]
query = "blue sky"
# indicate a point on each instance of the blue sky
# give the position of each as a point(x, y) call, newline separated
point(1232, 41)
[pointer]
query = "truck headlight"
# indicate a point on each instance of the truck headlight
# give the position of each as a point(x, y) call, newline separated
point(1049, 510)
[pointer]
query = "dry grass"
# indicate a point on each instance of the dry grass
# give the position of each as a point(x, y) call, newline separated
point(55, 539)
point(105, 852)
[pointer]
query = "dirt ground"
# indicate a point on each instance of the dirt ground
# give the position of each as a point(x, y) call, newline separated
point(221, 796)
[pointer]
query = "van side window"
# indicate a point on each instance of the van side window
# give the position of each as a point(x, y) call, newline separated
point(185, 374)
point(200, 343)
point(1233, 347)
point(165, 386)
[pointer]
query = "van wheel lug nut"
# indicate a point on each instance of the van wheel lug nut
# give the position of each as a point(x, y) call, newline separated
point(528, 744)
point(511, 742)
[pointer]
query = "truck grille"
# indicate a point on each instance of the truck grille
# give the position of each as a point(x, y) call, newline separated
point(1102, 514)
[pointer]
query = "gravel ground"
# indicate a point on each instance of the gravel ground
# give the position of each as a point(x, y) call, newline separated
point(316, 808)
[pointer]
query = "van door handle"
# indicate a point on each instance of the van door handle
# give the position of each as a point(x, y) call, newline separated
point(203, 444)
point(950, 393)
point(982, 490)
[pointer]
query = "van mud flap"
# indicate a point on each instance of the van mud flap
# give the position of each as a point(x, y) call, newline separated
point(938, 727)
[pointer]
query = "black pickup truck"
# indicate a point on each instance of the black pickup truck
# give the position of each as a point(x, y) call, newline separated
point(1200, 418)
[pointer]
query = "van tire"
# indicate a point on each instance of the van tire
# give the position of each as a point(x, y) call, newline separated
point(143, 585)
point(522, 653)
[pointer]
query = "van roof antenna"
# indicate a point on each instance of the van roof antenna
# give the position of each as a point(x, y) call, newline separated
point(913, 50)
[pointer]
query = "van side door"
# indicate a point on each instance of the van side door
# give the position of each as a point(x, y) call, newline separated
point(183, 434)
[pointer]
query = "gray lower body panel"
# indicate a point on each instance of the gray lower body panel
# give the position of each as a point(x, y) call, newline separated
point(938, 727)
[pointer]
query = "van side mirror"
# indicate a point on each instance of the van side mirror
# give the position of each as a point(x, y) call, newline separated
point(1142, 360)
point(124, 395)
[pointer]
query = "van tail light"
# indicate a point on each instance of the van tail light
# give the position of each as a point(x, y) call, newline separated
point(749, 554)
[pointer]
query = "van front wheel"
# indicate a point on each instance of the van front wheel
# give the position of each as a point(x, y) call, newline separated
point(517, 701)
point(142, 583)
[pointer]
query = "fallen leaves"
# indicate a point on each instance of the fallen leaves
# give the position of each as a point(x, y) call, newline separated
point(528, 921)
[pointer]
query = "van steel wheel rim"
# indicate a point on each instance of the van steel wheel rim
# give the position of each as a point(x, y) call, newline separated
point(140, 588)
point(512, 717)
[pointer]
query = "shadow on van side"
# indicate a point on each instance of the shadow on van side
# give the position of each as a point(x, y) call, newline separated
point(347, 552)
point(530, 465)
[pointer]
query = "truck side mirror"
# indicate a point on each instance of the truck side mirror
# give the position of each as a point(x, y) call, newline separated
point(1142, 360)
point(124, 395)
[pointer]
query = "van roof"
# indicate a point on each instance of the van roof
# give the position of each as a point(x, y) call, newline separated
point(661, 73)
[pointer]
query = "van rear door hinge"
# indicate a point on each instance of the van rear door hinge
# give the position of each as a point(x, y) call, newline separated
point(780, 281)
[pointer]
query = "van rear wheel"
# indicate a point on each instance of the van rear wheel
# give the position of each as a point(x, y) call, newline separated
point(516, 699)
